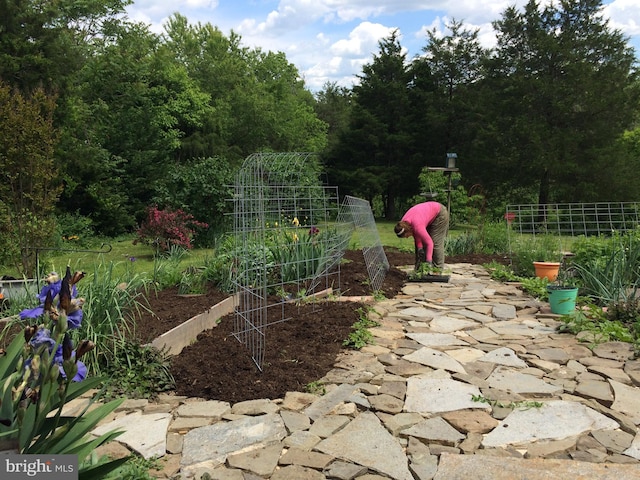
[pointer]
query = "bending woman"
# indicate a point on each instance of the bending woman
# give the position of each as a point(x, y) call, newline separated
point(428, 224)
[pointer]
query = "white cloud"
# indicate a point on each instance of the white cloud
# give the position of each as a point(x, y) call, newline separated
point(362, 40)
point(625, 16)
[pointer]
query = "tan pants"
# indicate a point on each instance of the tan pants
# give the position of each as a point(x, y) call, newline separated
point(438, 230)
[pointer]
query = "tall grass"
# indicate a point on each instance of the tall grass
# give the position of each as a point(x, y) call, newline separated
point(615, 278)
point(111, 302)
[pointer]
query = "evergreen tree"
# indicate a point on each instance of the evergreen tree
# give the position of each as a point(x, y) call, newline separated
point(560, 93)
point(374, 157)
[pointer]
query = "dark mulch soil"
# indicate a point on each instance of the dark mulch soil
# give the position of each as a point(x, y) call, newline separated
point(297, 352)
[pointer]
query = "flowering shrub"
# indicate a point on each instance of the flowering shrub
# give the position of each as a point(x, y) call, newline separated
point(165, 228)
point(40, 372)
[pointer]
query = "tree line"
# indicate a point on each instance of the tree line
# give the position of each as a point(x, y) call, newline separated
point(100, 117)
point(550, 114)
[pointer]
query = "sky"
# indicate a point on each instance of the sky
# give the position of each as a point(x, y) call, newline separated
point(330, 40)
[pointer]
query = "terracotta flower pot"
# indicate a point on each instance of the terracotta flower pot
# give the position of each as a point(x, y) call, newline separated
point(547, 269)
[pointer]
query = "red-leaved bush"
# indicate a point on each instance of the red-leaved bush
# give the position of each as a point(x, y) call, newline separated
point(165, 228)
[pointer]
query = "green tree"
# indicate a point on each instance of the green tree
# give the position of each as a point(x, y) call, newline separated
point(43, 43)
point(444, 96)
point(28, 188)
point(374, 156)
point(139, 103)
point(333, 106)
point(257, 99)
point(201, 187)
point(559, 90)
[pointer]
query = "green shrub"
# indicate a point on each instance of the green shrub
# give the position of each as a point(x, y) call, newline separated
point(138, 371)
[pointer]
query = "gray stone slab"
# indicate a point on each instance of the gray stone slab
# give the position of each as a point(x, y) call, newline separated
point(626, 400)
point(212, 444)
point(504, 379)
point(555, 420)
point(145, 434)
point(504, 312)
point(213, 409)
point(477, 316)
point(503, 356)
point(435, 430)
point(485, 467)
point(435, 359)
point(262, 461)
point(327, 402)
point(365, 441)
point(433, 395)
point(634, 448)
point(436, 339)
point(419, 312)
point(445, 324)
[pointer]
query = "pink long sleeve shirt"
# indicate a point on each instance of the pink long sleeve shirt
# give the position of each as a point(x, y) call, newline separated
point(419, 217)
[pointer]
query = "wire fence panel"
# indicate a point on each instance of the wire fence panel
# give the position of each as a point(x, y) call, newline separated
point(358, 212)
point(287, 241)
point(573, 219)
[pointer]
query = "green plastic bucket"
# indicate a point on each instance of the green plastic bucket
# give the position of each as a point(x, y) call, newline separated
point(562, 300)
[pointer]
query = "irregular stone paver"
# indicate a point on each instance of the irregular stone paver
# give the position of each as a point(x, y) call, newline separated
point(507, 380)
point(465, 355)
point(261, 461)
point(435, 430)
point(366, 442)
point(446, 324)
point(327, 402)
point(634, 448)
point(627, 400)
point(420, 312)
point(433, 395)
point(504, 312)
point(555, 420)
point(212, 444)
point(435, 359)
point(485, 467)
point(436, 339)
point(145, 434)
point(503, 356)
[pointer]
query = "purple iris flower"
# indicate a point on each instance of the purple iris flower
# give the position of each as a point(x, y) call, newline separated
point(74, 319)
point(80, 375)
point(54, 288)
point(42, 337)
point(32, 312)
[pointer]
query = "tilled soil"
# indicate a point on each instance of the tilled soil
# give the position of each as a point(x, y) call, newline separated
point(297, 352)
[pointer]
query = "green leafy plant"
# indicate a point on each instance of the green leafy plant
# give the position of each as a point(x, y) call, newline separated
point(536, 287)
point(192, 282)
point(41, 371)
point(138, 371)
point(425, 269)
point(592, 319)
point(520, 404)
point(360, 336)
point(315, 387)
point(167, 267)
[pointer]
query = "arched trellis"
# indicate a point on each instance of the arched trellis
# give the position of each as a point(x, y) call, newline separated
point(289, 237)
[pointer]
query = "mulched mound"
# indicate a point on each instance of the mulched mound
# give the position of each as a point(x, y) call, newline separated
point(297, 351)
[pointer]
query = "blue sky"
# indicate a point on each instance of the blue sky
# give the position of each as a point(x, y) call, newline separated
point(330, 40)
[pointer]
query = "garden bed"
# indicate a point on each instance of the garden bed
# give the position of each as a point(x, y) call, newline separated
point(299, 351)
